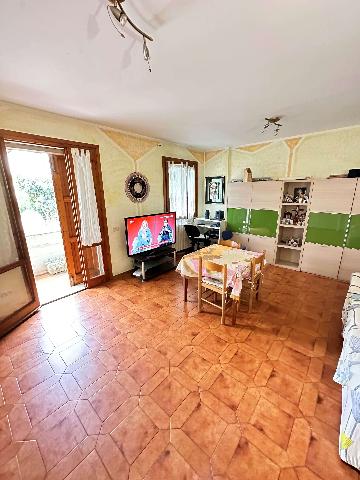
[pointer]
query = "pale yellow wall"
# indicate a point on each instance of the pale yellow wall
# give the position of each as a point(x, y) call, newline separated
point(327, 153)
point(269, 161)
point(120, 155)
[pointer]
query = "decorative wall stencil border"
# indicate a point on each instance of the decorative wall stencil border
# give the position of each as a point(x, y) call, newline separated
point(198, 155)
point(212, 154)
point(253, 148)
point(292, 143)
point(135, 147)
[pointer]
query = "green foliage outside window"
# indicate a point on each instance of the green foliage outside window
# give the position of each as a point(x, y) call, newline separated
point(37, 195)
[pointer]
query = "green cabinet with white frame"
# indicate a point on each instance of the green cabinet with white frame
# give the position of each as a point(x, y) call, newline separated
point(332, 231)
point(331, 234)
point(252, 214)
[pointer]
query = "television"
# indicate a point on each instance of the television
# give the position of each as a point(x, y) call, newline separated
point(150, 232)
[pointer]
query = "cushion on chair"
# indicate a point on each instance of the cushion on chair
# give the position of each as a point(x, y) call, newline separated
point(212, 281)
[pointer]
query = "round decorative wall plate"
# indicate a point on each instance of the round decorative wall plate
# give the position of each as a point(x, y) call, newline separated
point(137, 187)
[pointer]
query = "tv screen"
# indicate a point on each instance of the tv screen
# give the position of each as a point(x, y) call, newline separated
point(150, 232)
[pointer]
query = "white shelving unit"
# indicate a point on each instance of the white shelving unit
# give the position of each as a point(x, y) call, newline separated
point(286, 255)
point(206, 224)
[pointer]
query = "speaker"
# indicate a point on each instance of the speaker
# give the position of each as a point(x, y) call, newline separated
point(219, 214)
point(207, 214)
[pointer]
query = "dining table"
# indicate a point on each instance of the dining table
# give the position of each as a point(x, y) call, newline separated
point(238, 263)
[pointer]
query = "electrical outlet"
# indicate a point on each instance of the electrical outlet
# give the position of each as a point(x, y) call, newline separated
point(116, 229)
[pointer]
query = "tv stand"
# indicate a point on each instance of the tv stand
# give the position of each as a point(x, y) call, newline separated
point(151, 264)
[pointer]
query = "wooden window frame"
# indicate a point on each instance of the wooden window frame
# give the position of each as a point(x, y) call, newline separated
point(165, 166)
point(67, 145)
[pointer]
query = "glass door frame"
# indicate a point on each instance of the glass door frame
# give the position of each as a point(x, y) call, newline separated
point(24, 259)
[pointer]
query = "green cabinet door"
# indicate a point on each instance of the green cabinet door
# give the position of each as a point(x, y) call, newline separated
point(238, 220)
point(263, 223)
point(353, 238)
point(327, 228)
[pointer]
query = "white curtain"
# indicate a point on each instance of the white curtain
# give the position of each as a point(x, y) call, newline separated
point(182, 189)
point(89, 218)
point(191, 191)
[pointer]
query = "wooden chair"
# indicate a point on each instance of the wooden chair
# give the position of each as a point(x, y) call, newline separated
point(218, 286)
point(228, 243)
point(252, 288)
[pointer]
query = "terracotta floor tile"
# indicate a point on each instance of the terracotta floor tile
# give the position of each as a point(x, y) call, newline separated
point(35, 376)
point(323, 459)
point(205, 428)
point(88, 417)
point(108, 399)
point(328, 411)
point(195, 366)
point(295, 359)
point(142, 370)
point(89, 373)
point(275, 423)
point(228, 390)
point(261, 339)
point(171, 465)
point(133, 434)
point(125, 381)
point(122, 350)
point(5, 433)
point(44, 404)
point(287, 386)
point(214, 344)
point(169, 395)
point(19, 422)
point(30, 462)
point(10, 470)
point(74, 352)
point(249, 463)
point(299, 339)
point(246, 363)
point(60, 439)
point(90, 467)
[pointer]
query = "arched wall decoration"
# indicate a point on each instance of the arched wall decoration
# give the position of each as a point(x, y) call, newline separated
point(137, 187)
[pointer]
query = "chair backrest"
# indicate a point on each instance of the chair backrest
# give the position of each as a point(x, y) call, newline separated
point(229, 243)
point(257, 265)
point(192, 231)
point(212, 268)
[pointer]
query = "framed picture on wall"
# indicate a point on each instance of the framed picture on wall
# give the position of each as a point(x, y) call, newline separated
point(215, 190)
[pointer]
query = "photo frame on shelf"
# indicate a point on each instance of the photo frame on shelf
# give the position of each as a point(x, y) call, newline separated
point(215, 190)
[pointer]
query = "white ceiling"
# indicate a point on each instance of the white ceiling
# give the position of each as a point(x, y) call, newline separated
point(219, 67)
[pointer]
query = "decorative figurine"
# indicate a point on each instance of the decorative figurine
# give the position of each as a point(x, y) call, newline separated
point(288, 198)
point(287, 220)
point(300, 195)
point(295, 216)
point(294, 242)
point(301, 217)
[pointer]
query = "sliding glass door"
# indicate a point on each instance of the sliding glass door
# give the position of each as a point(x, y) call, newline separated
point(18, 295)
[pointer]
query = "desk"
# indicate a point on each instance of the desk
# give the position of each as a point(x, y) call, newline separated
point(237, 261)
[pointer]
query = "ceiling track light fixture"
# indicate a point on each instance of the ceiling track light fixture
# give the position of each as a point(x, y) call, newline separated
point(119, 17)
point(272, 121)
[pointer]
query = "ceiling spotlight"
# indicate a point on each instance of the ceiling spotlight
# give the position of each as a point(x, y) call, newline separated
point(117, 12)
point(146, 54)
point(123, 19)
point(272, 121)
